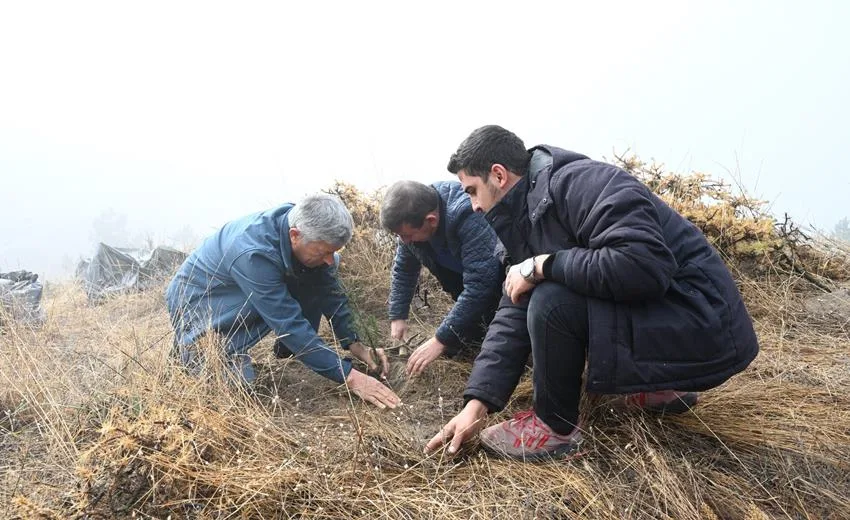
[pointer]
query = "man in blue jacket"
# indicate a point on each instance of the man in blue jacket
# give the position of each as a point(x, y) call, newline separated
point(606, 274)
point(274, 271)
point(437, 228)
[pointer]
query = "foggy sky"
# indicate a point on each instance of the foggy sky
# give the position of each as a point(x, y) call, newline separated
point(185, 115)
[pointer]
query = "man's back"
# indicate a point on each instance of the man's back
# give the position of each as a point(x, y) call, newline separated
point(208, 266)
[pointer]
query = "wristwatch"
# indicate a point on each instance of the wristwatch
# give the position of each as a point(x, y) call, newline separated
point(526, 270)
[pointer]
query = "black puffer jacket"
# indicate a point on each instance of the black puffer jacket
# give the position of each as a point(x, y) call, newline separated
point(663, 309)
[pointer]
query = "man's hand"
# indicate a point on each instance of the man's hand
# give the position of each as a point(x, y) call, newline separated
point(398, 329)
point(423, 356)
point(516, 285)
point(364, 354)
point(398, 333)
point(371, 390)
point(461, 428)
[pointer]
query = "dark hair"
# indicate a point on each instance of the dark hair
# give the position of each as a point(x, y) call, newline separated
point(408, 202)
point(487, 146)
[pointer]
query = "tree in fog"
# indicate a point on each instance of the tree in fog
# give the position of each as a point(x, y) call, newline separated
point(184, 238)
point(110, 227)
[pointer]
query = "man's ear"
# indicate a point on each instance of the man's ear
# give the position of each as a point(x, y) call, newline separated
point(431, 218)
point(294, 235)
point(499, 175)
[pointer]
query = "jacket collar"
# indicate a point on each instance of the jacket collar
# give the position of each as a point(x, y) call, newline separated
point(511, 207)
point(539, 174)
point(509, 219)
point(530, 194)
point(440, 234)
point(286, 244)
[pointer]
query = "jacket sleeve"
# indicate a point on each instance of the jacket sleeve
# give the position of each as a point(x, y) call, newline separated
point(262, 282)
point(481, 282)
point(405, 275)
point(336, 307)
point(621, 253)
point(504, 352)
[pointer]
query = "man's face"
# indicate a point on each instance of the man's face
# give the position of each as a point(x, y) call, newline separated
point(312, 254)
point(423, 233)
point(483, 194)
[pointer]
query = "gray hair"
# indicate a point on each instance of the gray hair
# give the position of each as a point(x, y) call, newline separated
point(322, 217)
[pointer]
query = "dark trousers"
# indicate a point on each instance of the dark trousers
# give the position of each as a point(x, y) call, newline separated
point(558, 327)
point(452, 283)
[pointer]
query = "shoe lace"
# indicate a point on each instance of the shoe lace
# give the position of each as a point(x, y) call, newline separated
point(522, 419)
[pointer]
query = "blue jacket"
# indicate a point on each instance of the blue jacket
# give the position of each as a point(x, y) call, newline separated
point(463, 242)
point(244, 282)
point(664, 311)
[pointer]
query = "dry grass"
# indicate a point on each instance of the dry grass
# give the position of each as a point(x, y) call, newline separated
point(97, 424)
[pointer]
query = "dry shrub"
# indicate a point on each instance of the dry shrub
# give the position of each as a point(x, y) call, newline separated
point(98, 424)
point(739, 226)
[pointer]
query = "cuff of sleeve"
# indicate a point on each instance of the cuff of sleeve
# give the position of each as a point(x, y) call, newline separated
point(397, 310)
point(448, 338)
point(547, 267)
point(345, 343)
point(342, 374)
point(557, 266)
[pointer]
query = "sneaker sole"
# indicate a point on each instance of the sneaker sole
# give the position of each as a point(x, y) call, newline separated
point(561, 453)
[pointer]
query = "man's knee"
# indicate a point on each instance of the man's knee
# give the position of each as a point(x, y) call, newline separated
point(550, 294)
point(554, 301)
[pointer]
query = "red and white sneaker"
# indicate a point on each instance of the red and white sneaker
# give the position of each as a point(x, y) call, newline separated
point(665, 401)
point(527, 437)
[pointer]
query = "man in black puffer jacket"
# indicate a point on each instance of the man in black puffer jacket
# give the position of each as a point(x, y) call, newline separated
point(606, 274)
point(437, 228)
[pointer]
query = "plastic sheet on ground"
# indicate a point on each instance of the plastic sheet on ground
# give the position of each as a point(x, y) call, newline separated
point(116, 270)
point(20, 298)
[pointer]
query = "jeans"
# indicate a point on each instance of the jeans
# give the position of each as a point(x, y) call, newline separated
point(452, 283)
point(558, 328)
